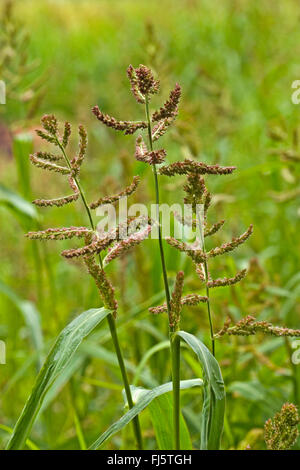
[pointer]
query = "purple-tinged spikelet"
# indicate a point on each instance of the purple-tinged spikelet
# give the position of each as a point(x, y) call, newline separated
point(48, 165)
point(129, 127)
point(193, 299)
point(48, 156)
point(78, 160)
point(214, 228)
point(95, 247)
point(124, 245)
point(169, 109)
point(250, 326)
point(141, 151)
point(227, 247)
point(227, 281)
point(175, 303)
point(66, 135)
point(111, 199)
point(106, 290)
point(140, 98)
point(197, 256)
point(61, 201)
point(59, 233)
point(191, 166)
point(146, 83)
point(161, 127)
point(281, 432)
point(49, 123)
point(49, 138)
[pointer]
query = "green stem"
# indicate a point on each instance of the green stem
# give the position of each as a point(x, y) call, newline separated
point(111, 320)
point(174, 343)
point(114, 335)
point(211, 328)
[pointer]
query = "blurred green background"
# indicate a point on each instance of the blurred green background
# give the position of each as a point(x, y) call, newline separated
point(236, 62)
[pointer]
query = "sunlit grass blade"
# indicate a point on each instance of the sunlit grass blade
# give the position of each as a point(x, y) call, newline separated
point(142, 398)
point(212, 418)
point(20, 206)
point(58, 358)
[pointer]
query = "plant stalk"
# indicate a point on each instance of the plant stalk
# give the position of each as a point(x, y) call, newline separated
point(111, 321)
point(174, 339)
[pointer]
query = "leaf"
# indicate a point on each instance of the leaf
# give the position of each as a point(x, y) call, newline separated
point(161, 412)
point(29, 443)
point(214, 394)
point(57, 360)
point(31, 316)
point(142, 398)
point(15, 202)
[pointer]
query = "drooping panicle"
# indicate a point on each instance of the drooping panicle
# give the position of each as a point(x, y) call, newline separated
point(191, 166)
point(170, 107)
point(128, 127)
point(116, 197)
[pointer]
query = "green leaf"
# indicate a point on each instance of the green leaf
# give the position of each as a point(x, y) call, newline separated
point(142, 397)
point(212, 419)
point(15, 202)
point(161, 412)
point(57, 360)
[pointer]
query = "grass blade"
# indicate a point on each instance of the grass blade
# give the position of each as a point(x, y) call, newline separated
point(58, 358)
point(142, 397)
point(214, 393)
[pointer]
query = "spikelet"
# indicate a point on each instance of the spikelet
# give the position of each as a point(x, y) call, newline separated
point(140, 98)
point(107, 292)
point(48, 156)
point(227, 247)
point(193, 299)
point(169, 109)
point(66, 135)
point(48, 165)
point(49, 138)
point(227, 281)
point(95, 247)
point(214, 228)
point(250, 326)
point(175, 303)
point(128, 127)
point(146, 83)
point(281, 432)
point(77, 161)
point(191, 166)
point(61, 201)
point(111, 199)
point(59, 233)
point(161, 127)
point(124, 245)
point(198, 256)
point(141, 151)
point(49, 123)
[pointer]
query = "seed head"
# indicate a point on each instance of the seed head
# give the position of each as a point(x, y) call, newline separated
point(281, 432)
